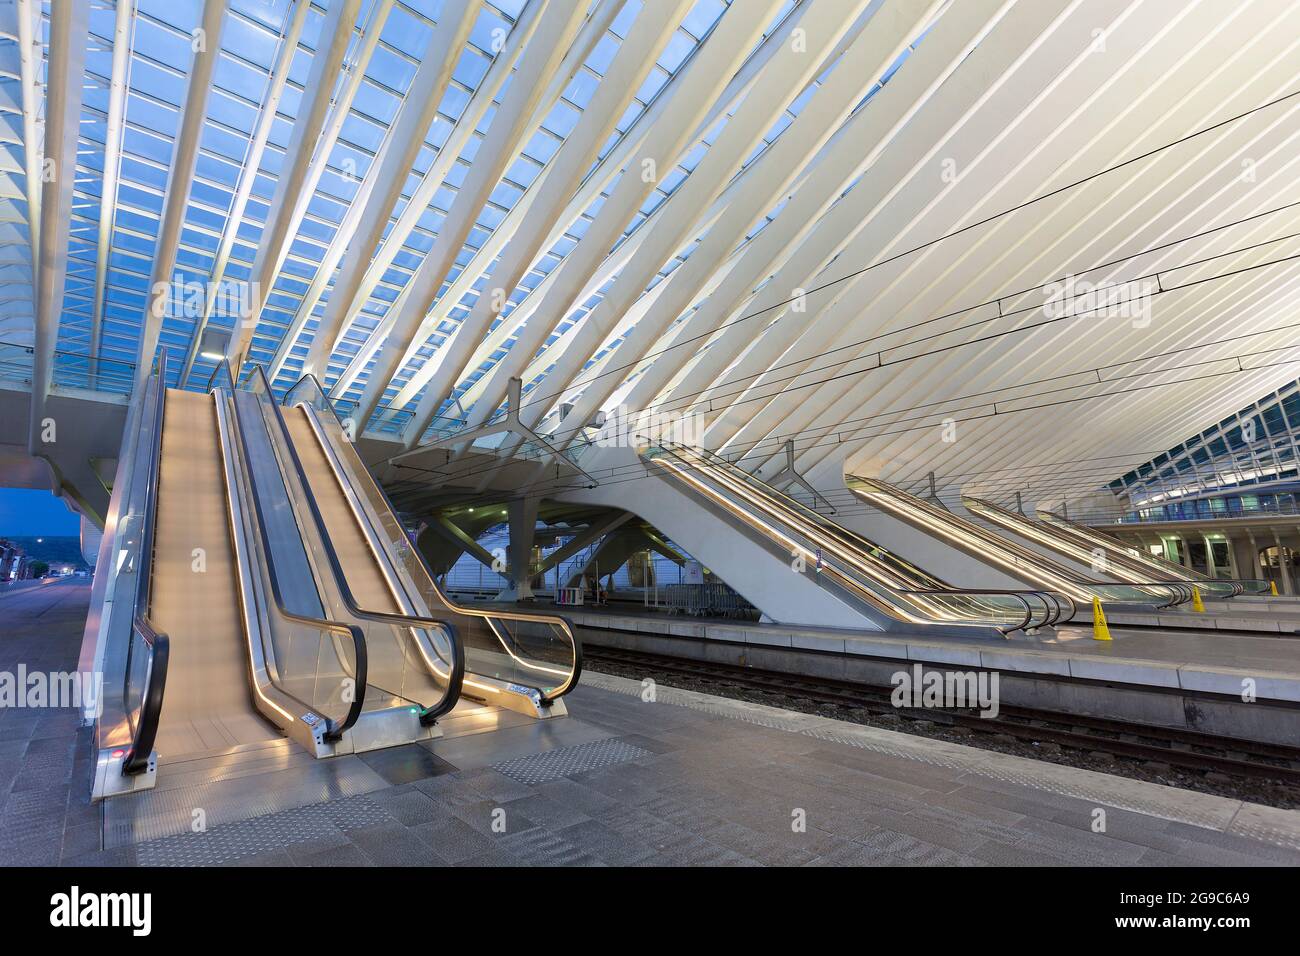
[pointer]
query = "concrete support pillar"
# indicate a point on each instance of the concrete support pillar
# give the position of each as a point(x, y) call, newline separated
point(1283, 566)
point(612, 554)
point(523, 527)
point(1210, 568)
point(1256, 571)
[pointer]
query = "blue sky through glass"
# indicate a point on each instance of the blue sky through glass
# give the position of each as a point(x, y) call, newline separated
point(30, 511)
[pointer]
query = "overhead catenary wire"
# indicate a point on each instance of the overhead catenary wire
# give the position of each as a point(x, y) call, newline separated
point(830, 283)
point(636, 471)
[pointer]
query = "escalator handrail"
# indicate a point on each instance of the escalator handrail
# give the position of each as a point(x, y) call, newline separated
point(847, 540)
point(456, 667)
point(1016, 552)
point(334, 730)
point(1005, 629)
point(1110, 541)
point(558, 620)
point(145, 731)
point(848, 537)
point(1177, 587)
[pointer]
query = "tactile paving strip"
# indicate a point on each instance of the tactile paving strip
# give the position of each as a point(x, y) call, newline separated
point(274, 831)
point(567, 761)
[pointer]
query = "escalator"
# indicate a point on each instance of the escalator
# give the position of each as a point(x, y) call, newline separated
point(521, 661)
point(1118, 563)
point(886, 587)
point(1019, 562)
point(1218, 587)
point(211, 646)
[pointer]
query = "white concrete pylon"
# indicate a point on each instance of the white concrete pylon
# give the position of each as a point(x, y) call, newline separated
point(68, 28)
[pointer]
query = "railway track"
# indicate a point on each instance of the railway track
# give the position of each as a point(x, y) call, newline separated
point(1184, 749)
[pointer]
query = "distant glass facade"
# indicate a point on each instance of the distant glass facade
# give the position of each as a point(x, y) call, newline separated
point(1252, 454)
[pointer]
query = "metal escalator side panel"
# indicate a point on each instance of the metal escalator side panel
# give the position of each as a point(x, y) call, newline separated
point(915, 597)
point(969, 537)
point(296, 575)
point(291, 664)
point(1113, 546)
point(863, 549)
point(376, 715)
point(512, 637)
point(521, 661)
point(879, 601)
point(398, 662)
point(402, 667)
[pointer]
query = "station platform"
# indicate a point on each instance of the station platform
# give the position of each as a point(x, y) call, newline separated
point(1208, 661)
point(629, 778)
point(1230, 684)
point(1252, 618)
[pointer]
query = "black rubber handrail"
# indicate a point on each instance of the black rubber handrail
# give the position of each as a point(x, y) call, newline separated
point(557, 619)
point(334, 729)
point(145, 731)
point(456, 667)
point(136, 759)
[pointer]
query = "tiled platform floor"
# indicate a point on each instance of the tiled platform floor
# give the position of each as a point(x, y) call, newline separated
point(687, 779)
point(44, 818)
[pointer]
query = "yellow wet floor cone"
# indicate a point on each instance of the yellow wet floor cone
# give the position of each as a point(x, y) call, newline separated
point(1100, 630)
point(1197, 604)
point(1272, 588)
